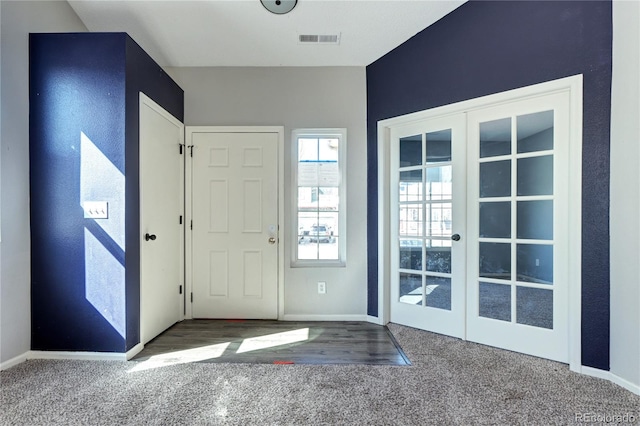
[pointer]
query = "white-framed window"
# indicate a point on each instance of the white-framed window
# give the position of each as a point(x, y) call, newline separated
point(319, 197)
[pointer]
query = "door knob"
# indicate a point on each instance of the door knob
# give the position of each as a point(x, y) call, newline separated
point(148, 237)
point(455, 237)
point(272, 240)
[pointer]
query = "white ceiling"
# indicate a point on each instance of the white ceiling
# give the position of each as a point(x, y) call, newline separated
point(186, 33)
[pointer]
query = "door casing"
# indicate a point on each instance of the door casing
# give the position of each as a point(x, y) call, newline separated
point(572, 85)
point(189, 131)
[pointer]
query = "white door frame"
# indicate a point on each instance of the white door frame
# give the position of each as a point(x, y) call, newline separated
point(189, 131)
point(572, 85)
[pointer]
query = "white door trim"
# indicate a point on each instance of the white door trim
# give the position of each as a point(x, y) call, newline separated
point(573, 85)
point(189, 131)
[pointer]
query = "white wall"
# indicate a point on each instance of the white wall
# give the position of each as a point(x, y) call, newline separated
point(18, 20)
point(297, 97)
point(625, 193)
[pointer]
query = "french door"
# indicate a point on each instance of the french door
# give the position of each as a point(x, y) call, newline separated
point(479, 225)
point(429, 189)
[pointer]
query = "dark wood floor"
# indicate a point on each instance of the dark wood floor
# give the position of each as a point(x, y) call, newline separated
point(279, 342)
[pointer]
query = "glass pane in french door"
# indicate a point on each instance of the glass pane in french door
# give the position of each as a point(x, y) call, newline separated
point(425, 196)
point(515, 221)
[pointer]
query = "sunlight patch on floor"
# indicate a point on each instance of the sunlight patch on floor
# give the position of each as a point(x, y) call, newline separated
point(273, 340)
point(182, 357)
point(415, 297)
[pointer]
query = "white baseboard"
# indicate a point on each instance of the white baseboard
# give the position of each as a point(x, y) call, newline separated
point(375, 320)
point(134, 351)
point(78, 356)
point(82, 356)
point(324, 317)
point(607, 375)
point(13, 361)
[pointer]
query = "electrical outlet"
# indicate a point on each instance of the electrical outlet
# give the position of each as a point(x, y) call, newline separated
point(322, 287)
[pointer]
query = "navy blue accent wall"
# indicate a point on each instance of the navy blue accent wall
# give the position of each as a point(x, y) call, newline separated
point(489, 47)
point(85, 272)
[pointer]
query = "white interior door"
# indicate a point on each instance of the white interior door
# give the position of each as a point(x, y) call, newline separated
point(161, 224)
point(234, 238)
point(480, 224)
point(518, 222)
point(428, 258)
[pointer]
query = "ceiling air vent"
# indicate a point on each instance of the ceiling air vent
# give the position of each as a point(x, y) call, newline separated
point(319, 38)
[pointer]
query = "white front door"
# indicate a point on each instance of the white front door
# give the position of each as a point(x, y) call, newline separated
point(161, 210)
point(480, 224)
point(234, 237)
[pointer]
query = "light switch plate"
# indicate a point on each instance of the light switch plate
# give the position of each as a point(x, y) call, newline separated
point(96, 209)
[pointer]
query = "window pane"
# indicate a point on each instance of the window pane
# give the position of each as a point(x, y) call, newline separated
point(535, 263)
point(535, 220)
point(535, 131)
point(307, 149)
point(330, 221)
point(495, 301)
point(535, 175)
point(411, 220)
point(307, 250)
point(411, 151)
point(305, 221)
point(308, 198)
point(320, 233)
point(534, 306)
point(316, 241)
point(328, 149)
point(328, 199)
point(411, 254)
point(439, 146)
point(438, 258)
point(328, 250)
point(410, 289)
point(439, 292)
point(410, 186)
point(495, 138)
point(439, 185)
point(495, 260)
point(495, 220)
point(439, 219)
point(495, 179)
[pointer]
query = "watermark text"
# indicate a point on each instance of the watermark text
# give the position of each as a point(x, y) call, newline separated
point(605, 418)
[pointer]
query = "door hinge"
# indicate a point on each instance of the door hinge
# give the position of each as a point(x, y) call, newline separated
point(191, 225)
point(191, 297)
point(180, 219)
point(180, 289)
point(180, 145)
point(190, 150)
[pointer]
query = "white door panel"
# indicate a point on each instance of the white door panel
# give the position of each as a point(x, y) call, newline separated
point(518, 189)
point(427, 288)
point(161, 207)
point(235, 225)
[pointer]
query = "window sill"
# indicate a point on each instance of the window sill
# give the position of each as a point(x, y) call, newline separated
point(318, 264)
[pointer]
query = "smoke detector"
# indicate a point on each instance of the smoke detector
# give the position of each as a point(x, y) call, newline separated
point(279, 7)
